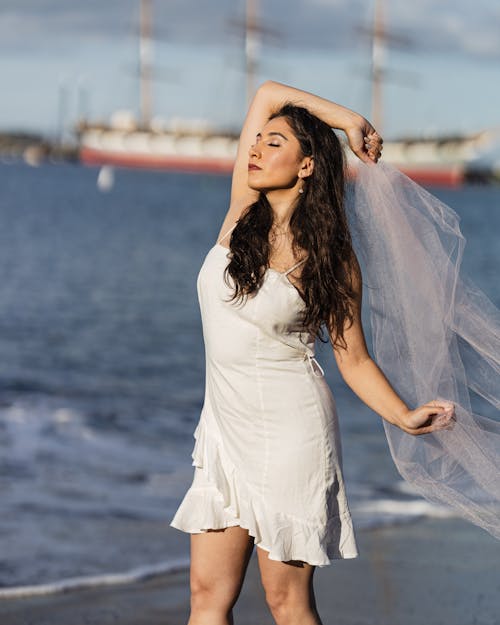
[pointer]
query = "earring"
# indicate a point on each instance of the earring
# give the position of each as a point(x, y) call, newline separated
point(301, 190)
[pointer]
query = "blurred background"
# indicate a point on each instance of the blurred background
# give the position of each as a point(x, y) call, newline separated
point(118, 128)
point(166, 84)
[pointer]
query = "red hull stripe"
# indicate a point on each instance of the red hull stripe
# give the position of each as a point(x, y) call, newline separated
point(451, 176)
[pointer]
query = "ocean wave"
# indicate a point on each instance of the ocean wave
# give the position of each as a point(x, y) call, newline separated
point(137, 574)
point(372, 514)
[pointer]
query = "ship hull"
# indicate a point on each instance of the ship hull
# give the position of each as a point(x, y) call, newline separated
point(190, 164)
point(432, 175)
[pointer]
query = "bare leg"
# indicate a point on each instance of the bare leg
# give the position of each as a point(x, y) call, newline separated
point(289, 590)
point(219, 560)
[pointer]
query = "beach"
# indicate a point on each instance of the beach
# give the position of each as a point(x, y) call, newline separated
point(430, 571)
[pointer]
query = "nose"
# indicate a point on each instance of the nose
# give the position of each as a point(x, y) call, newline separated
point(253, 151)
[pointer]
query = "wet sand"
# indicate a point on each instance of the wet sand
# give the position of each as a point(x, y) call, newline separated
point(429, 572)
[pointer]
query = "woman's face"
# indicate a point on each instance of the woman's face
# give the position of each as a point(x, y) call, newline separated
point(277, 154)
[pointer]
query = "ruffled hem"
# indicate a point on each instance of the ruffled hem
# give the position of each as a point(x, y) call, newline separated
point(225, 501)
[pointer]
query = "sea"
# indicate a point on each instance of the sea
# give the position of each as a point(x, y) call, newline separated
point(102, 371)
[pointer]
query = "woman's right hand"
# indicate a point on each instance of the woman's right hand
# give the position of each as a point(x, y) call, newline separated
point(364, 140)
point(437, 414)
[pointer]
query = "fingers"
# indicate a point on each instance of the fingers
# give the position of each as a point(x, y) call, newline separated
point(365, 157)
point(373, 145)
point(446, 412)
point(365, 142)
point(427, 429)
point(430, 417)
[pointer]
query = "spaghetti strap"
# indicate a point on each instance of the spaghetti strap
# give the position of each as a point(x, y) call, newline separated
point(294, 266)
point(230, 230)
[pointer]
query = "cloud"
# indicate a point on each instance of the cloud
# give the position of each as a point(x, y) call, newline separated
point(441, 27)
point(433, 26)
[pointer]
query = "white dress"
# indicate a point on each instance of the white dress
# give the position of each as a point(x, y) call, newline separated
point(267, 451)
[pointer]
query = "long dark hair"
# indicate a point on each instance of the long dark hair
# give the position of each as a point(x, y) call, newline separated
point(318, 225)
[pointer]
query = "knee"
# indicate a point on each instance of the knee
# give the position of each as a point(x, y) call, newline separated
point(286, 604)
point(210, 595)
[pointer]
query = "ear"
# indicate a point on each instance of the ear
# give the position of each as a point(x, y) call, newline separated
point(307, 167)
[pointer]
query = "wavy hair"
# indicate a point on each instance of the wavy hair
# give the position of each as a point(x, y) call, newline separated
point(318, 225)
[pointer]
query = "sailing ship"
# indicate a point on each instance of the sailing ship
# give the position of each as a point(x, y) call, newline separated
point(124, 142)
point(179, 146)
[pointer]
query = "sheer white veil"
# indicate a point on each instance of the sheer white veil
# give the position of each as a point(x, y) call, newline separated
point(436, 335)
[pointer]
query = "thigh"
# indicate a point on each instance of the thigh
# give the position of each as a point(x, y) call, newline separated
point(219, 559)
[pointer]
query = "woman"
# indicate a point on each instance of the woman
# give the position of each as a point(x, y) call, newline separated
point(268, 466)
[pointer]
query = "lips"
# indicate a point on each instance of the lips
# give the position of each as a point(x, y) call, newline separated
point(251, 166)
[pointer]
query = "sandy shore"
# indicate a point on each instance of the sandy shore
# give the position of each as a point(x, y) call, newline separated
point(430, 572)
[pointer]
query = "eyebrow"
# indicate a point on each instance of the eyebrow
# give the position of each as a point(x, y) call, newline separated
point(273, 133)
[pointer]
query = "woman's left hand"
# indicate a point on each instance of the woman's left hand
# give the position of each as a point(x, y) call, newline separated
point(364, 140)
point(430, 417)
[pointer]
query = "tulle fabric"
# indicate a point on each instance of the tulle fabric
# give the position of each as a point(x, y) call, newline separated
point(436, 335)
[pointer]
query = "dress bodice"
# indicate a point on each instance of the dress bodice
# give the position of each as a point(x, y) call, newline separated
point(268, 322)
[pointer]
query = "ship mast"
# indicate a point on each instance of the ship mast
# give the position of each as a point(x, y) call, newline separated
point(381, 39)
point(145, 63)
point(377, 69)
point(252, 44)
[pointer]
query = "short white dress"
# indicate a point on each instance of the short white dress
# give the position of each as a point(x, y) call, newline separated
point(267, 451)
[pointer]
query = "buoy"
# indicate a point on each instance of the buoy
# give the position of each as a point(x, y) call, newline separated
point(106, 178)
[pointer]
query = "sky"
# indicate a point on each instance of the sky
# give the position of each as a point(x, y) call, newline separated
point(61, 59)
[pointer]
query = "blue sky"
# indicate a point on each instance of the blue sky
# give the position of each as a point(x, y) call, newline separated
point(446, 80)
